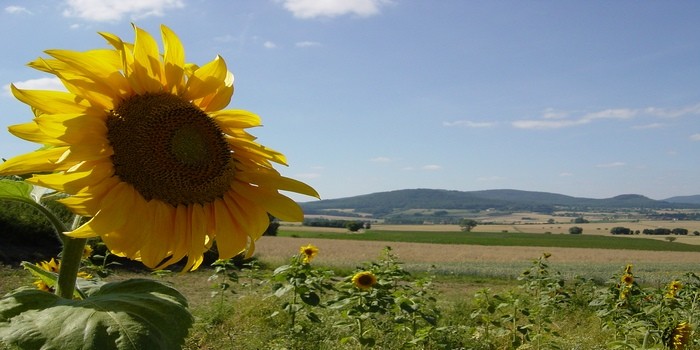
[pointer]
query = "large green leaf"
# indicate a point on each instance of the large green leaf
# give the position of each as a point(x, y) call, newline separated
point(15, 190)
point(127, 315)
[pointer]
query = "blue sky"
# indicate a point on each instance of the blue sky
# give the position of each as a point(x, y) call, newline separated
point(583, 98)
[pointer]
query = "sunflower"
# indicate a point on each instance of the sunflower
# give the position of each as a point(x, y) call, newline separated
point(680, 336)
point(144, 147)
point(673, 289)
point(308, 252)
point(364, 280)
point(628, 269)
point(627, 278)
point(53, 266)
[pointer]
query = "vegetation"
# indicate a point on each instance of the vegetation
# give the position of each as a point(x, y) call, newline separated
point(502, 239)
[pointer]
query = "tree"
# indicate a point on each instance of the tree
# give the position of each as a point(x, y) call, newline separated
point(354, 226)
point(467, 224)
point(619, 230)
point(580, 220)
point(575, 230)
point(680, 231)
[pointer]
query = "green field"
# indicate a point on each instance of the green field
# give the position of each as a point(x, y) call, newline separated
point(504, 239)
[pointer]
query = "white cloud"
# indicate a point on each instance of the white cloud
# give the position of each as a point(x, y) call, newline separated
point(611, 165)
point(648, 126)
point(695, 137)
point(469, 124)
point(269, 45)
point(551, 119)
point(114, 10)
point(16, 10)
point(36, 84)
point(566, 174)
point(431, 167)
point(380, 159)
point(307, 44)
point(333, 8)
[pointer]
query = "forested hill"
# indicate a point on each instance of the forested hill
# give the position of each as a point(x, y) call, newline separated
point(386, 202)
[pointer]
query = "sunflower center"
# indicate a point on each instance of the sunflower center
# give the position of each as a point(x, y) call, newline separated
point(365, 280)
point(169, 150)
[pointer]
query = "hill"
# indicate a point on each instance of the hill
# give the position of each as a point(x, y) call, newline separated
point(684, 199)
point(384, 203)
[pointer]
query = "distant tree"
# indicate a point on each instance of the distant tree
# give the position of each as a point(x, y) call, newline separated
point(670, 239)
point(680, 231)
point(580, 220)
point(575, 230)
point(619, 230)
point(368, 225)
point(550, 221)
point(354, 226)
point(697, 233)
point(467, 224)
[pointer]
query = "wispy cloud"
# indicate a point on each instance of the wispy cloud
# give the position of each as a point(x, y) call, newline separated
point(380, 160)
point(431, 167)
point(611, 165)
point(648, 126)
point(555, 120)
point(307, 176)
point(695, 137)
point(566, 174)
point(115, 10)
point(15, 10)
point(303, 44)
point(36, 84)
point(468, 124)
point(308, 9)
point(269, 45)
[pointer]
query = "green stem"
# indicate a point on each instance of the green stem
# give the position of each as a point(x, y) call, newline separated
point(71, 256)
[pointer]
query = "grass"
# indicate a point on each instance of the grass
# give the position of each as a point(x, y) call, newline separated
point(503, 239)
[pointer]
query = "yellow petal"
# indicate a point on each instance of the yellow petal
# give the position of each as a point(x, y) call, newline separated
point(173, 61)
point(207, 79)
point(220, 99)
point(229, 240)
point(230, 119)
point(30, 132)
point(34, 162)
point(88, 201)
point(72, 182)
point(272, 179)
point(254, 150)
point(72, 128)
point(117, 205)
point(146, 65)
point(51, 102)
point(274, 203)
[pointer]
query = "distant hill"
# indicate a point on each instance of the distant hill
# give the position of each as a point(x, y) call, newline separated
point(383, 203)
point(685, 199)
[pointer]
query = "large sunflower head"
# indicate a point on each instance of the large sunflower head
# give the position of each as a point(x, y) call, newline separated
point(141, 142)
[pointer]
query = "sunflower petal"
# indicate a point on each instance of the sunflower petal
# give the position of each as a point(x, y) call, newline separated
point(230, 119)
point(51, 102)
point(173, 61)
point(30, 132)
point(35, 162)
point(116, 209)
point(146, 66)
point(207, 80)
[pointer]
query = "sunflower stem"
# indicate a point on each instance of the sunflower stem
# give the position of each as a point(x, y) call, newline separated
point(71, 256)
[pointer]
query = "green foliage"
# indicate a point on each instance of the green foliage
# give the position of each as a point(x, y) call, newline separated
point(467, 224)
point(575, 230)
point(111, 317)
point(305, 284)
point(503, 239)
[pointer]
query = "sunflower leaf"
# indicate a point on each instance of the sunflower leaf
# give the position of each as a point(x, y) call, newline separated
point(15, 190)
point(126, 315)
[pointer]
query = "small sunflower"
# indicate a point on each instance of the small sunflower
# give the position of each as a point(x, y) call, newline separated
point(308, 252)
point(51, 265)
point(628, 269)
point(673, 289)
point(144, 147)
point(54, 266)
point(680, 336)
point(364, 280)
point(627, 278)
